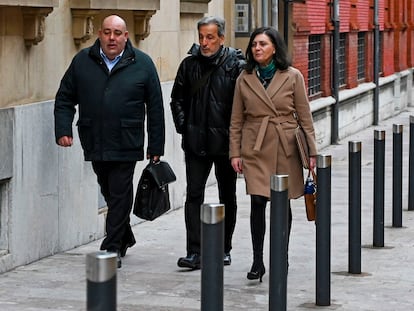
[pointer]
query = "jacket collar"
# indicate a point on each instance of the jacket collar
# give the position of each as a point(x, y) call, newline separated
point(266, 95)
point(128, 51)
point(214, 59)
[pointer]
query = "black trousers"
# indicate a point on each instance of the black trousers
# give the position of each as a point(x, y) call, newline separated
point(198, 169)
point(116, 182)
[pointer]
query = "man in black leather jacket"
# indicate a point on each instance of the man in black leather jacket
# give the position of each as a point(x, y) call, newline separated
point(201, 103)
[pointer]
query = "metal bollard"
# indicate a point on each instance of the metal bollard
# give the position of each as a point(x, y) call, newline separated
point(411, 167)
point(379, 168)
point(323, 231)
point(101, 281)
point(354, 215)
point(212, 252)
point(397, 175)
point(278, 242)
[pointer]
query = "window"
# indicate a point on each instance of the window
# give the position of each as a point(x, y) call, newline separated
point(314, 65)
point(242, 18)
point(361, 56)
point(341, 59)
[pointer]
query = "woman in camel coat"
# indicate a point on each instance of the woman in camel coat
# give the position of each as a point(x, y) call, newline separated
point(270, 101)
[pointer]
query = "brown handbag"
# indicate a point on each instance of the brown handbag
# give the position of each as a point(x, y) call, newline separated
point(302, 146)
point(310, 195)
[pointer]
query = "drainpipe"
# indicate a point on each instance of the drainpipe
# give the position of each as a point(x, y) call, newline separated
point(265, 12)
point(335, 67)
point(275, 11)
point(376, 63)
point(286, 21)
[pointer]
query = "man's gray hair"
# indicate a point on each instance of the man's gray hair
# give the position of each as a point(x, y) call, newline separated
point(207, 20)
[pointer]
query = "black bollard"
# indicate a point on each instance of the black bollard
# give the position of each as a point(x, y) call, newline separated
point(323, 231)
point(397, 175)
point(278, 242)
point(411, 167)
point(212, 252)
point(101, 281)
point(379, 168)
point(354, 215)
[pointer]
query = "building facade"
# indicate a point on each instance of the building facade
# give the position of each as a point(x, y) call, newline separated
point(49, 198)
point(356, 57)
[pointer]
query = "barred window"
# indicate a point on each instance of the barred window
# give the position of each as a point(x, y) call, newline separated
point(361, 55)
point(314, 65)
point(341, 58)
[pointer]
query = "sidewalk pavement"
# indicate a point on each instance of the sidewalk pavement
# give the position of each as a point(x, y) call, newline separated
point(150, 279)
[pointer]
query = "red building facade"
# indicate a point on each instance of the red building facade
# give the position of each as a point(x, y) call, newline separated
point(313, 26)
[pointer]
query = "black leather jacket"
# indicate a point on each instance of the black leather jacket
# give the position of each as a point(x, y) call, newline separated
point(202, 113)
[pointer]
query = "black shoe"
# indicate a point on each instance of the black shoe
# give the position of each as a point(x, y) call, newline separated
point(227, 259)
point(124, 247)
point(192, 261)
point(257, 271)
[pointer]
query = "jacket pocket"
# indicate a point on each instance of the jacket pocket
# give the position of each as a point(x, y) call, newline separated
point(85, 134)
point(195, 140)
point(132, 134)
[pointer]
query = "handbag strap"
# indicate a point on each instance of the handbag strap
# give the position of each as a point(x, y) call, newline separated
point(313, 173)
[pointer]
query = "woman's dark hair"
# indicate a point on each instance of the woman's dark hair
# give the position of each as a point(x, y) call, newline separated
point(280, 58)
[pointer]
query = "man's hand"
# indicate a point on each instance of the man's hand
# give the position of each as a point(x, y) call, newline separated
point(65, 141)
point(154, 158)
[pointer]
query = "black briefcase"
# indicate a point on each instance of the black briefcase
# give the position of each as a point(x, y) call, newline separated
point(152, 198)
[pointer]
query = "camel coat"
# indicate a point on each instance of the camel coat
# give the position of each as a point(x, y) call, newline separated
point(262, 130)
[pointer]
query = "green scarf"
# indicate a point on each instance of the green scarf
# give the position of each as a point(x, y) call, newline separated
point(266, 74)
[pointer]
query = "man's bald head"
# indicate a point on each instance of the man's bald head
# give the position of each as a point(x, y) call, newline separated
point(113, 35)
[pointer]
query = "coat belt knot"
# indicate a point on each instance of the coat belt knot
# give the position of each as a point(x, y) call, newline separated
point(277, 120)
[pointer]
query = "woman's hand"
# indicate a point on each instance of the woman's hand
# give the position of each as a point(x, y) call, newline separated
point(312, 162)
point(237, 165)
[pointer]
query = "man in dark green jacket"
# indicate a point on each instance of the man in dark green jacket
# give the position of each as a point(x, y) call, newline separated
point(115, 86)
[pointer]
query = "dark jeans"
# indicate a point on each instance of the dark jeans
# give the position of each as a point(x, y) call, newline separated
point(116, 182)
point(198, 169)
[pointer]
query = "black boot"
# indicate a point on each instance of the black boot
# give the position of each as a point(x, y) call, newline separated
point(258, 229)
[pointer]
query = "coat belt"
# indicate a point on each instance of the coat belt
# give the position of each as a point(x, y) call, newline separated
point(277, 121)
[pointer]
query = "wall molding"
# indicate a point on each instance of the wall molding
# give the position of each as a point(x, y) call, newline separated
point(84, 11)
point(34, 14)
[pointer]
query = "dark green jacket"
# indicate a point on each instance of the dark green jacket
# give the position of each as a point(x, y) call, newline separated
point(112, 106)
